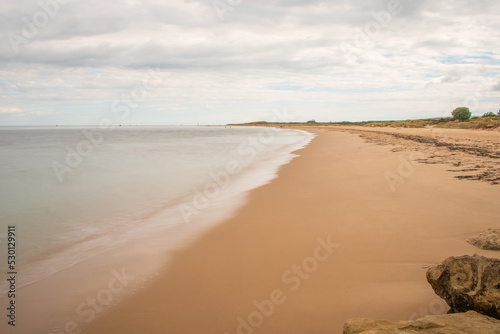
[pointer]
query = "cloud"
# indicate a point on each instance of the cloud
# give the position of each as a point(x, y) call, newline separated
point(4, 110)
point(90, 53)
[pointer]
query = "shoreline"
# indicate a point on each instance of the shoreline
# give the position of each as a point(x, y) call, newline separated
point(265, 260)
point(98, 279)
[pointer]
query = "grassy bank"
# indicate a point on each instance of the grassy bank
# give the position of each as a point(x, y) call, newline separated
point(476, 122)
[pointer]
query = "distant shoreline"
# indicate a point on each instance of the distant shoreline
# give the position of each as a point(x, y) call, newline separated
point(490, 122)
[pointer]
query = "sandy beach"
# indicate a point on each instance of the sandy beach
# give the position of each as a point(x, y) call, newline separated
point(346, 230)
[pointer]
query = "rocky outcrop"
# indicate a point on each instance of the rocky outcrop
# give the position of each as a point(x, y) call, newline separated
point(470, 323)
point(468, 283)
point(489, 240)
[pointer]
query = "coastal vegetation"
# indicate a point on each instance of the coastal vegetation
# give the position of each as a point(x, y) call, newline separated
point(461, 113)
point(458, 120)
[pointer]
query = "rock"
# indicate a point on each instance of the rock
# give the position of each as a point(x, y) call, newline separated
point(470, 322)
point(468, 283)
point(489, 240)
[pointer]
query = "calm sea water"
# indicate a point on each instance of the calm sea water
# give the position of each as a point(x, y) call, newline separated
point(70, 191)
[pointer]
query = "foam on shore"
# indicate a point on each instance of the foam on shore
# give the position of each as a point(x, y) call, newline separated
point(66, 277)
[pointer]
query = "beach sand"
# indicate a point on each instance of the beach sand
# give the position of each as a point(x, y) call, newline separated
point(333, 237)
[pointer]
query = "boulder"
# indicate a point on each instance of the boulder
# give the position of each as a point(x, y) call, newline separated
point(470, 322)
point(468, 283)
point(489, 240)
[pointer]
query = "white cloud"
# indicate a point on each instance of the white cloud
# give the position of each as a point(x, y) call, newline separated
point(10, 110)
point(416, 63)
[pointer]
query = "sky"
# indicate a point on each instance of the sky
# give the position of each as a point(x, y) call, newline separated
point(155, 62)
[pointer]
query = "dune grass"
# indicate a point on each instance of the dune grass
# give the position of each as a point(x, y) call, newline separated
point(476, 122)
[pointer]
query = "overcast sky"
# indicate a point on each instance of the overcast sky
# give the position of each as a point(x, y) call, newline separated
point(216, 62)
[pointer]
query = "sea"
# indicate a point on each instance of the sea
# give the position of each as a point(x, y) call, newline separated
point(73, 193)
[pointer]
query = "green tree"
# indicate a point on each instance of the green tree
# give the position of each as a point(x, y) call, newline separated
point(461, 113)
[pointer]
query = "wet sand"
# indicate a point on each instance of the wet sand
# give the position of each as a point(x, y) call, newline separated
point(346, 230)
